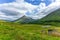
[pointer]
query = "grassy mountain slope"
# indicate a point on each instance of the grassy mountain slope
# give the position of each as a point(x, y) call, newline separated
point(54, 16)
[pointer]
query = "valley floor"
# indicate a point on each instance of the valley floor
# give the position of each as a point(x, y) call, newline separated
point(14, 31)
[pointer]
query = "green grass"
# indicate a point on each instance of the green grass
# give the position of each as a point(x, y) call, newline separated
point(15, 31)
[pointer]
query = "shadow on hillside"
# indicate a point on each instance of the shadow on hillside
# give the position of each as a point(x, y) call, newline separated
point(51, 22)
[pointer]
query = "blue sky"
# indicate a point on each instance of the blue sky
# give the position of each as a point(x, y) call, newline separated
point(6, 1)
point(37, 2)
point(33, 2)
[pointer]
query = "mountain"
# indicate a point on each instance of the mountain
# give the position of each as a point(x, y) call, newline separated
point(24, 19)
point(54, 16)
point(51, 19)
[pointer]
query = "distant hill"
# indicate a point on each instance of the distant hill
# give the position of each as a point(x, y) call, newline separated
point(24, 19)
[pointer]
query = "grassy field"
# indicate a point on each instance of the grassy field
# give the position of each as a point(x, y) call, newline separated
point(15, 31)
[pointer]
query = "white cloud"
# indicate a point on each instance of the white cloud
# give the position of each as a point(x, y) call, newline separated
point(21, 8)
